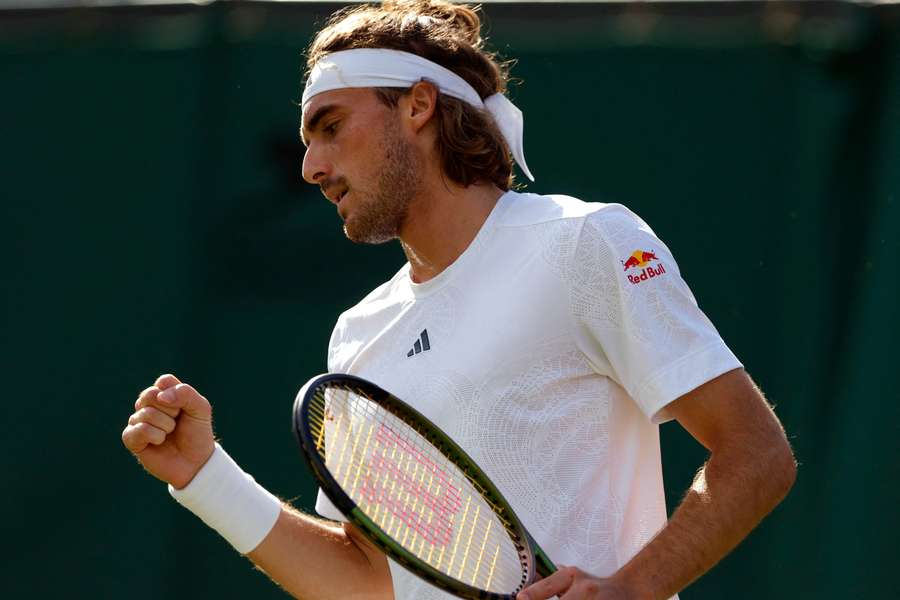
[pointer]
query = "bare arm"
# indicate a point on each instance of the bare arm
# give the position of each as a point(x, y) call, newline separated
point(750, 469)
point(170, 433)
point(314, 559)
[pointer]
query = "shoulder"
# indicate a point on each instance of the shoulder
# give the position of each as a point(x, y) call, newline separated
point(589, 245)
point(535, 209)
point(565, 226)
point(388, 293)
point(368, 311)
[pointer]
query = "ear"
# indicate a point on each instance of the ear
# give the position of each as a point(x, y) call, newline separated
point(421, 103)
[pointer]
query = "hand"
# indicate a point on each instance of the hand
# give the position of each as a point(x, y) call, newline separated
point(170, 432)
point(571, 583)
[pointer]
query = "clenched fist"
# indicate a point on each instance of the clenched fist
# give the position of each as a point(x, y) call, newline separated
point(170, 431)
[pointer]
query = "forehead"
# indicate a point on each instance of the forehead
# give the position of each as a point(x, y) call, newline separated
point(345, 99)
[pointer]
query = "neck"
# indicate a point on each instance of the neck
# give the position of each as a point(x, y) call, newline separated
point(441, 223)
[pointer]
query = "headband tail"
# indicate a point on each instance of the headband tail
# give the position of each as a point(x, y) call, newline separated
point(511, 123)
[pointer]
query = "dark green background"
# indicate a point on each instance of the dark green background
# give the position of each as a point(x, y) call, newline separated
point(154, 220)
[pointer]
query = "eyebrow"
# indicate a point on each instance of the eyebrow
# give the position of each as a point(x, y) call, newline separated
point(313, 122)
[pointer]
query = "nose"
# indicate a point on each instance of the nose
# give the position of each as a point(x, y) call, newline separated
point(315, 166)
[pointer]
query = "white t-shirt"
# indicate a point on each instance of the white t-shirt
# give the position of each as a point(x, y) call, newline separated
point(548, 350)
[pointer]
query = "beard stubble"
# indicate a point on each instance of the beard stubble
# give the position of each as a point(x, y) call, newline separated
point(380, 214)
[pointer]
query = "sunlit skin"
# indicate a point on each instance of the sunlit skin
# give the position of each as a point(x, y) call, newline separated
point(350, 135)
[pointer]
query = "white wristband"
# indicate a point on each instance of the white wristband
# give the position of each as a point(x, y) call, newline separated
point(230, 501)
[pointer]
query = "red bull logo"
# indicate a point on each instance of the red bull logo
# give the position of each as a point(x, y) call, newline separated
point(641, 259)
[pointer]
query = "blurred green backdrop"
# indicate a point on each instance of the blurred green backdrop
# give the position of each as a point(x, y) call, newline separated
point(155, 221)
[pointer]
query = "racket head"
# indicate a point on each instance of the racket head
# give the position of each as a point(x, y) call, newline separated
point(359, 488)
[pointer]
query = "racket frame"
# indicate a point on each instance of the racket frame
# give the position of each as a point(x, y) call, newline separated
point(529, 552)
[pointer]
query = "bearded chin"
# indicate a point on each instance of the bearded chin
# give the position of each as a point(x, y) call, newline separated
point(380, 216)
point(370, 233)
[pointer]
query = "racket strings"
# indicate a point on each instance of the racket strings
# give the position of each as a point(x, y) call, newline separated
point(395, 520)
point(338, 457)
point(428, 472)
point(417, 495)
point(497, 509)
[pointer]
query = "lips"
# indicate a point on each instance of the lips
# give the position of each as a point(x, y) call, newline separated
point(335, 191)
point(341, 209)
point(338, 195)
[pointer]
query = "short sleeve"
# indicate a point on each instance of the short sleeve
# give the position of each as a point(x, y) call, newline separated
point(636, 320)
point(328, 510)
point(333, 345)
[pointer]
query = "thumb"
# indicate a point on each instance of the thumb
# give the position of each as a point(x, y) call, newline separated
point(188, 399)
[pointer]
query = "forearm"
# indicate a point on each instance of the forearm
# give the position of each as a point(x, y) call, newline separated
point(729, 496)
point(315, 559)
point(310, 558)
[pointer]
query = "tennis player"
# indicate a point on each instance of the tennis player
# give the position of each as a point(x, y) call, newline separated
point(548, 336)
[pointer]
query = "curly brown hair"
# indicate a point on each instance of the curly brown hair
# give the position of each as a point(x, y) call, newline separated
point(471, 147)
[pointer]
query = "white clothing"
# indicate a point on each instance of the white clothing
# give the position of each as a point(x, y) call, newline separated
point(554, 344)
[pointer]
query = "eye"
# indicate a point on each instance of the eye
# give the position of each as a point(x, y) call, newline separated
point(331, 128)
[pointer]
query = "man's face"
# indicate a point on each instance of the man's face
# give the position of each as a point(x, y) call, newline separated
point(357, 154)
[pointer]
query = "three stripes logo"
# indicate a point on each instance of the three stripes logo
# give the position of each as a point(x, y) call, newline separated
point(422, 344)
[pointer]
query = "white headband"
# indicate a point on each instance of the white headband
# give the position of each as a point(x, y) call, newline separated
point(378, 67)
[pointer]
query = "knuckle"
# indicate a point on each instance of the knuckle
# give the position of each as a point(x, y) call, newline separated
point(144, 415)
point(146, 396)
point(168, 424)
point(185, 390)
point(171, 412)
point(150, 434)
point(160, 419)
point(166, 380)
point(130, 438)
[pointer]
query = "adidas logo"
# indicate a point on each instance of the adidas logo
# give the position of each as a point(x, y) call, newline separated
point(421, 344)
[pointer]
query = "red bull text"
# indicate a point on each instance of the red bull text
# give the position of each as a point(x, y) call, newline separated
point(641, 259)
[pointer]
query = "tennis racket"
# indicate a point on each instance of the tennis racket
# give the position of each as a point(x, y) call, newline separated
point(413, 491)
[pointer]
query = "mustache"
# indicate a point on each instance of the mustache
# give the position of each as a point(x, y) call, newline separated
point(331, 182)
